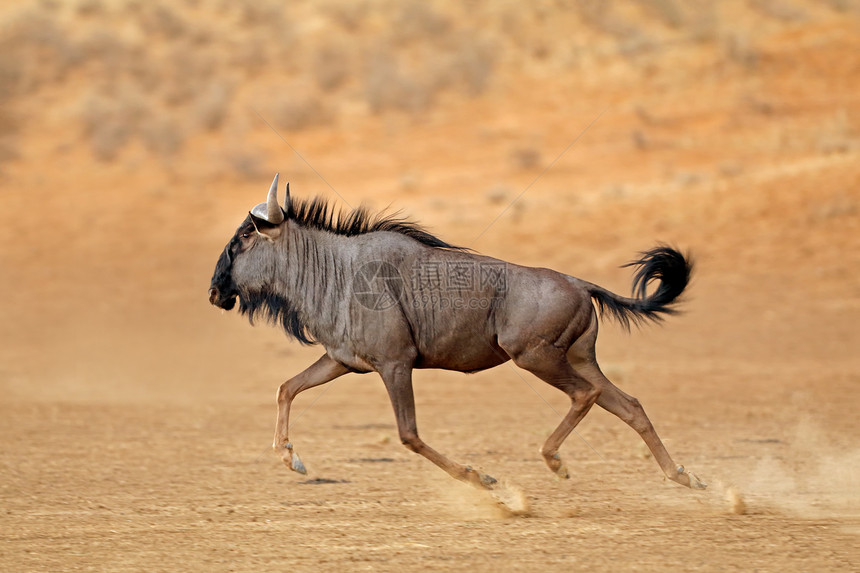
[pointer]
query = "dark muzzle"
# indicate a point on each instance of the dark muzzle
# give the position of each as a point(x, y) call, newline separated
point(215, 298)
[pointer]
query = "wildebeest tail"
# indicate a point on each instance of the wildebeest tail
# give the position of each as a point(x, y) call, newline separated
point(663, 264)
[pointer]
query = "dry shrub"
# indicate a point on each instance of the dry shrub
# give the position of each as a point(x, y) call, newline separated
point(108, 138)
point(779, 10)
point(703, 21)
point(109, 55)
point(9, 125)
point(159, 20)
point(34, 40)
point(109, 125)
point(212, 105)
point(388, 87)
point(410, 79)
point(187, 72)
point(298, 107)
point(11, 73)
point(89, 7)
point(163, 135)
point(261, 13)
point(837, 134)
point(499, 194)
point(667, 11)
point(526, 157)
point(417, 21)
point(8, 150)
point(112, 121)
point(469, 65)
point(249, 56)
point(598, 14)
point(739, 48)
point(330, 67)
point(843, 5)
point(244, 162)
point(349, 15)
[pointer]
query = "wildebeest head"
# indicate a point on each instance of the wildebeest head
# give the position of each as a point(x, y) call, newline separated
point(247, 262)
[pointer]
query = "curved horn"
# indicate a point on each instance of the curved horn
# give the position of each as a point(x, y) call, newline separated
point(287, 198)
point(274, 214)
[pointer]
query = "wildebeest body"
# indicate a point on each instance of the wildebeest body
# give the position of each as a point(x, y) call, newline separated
point(381, 294)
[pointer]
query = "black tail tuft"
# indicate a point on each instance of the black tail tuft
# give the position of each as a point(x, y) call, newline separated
point(661, 263)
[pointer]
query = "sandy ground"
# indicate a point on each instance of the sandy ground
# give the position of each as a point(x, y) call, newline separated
point(137, 419)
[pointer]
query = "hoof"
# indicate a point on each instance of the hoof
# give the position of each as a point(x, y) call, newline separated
point(480, 480)
point(292, 459)
point(296, 464)
point(696, 483)
point(690, 479)
point(556, 466)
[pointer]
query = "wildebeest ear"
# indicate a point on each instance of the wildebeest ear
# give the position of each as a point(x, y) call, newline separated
point(287, 198)
point(265, 229)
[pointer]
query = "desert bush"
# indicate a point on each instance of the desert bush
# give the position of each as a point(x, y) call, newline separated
point(598, 15)
point(248, 56)
point(245, 163)
point(843, 5)
point(160, 20)
point(331, 66)
point(89, 7)
point(162, 134)
point(11, 73)
point(111, 121)
point(107, 54)
point(779, 10)
point(9, 124)
point(526, 157)
point(268, 13)
point(703, 21)
point(667, 11)
point(470, 64)
point(416, 21)
point(388, 87)
point(499, 194)
point(837, 134)
point(212, 104)
point(187, 72)
point(297, 107)
point(739, 48)
point(108, 137)
point(349, 15)
point(33, 39)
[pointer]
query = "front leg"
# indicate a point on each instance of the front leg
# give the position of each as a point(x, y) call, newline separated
point(323, 370)
point(398, 381)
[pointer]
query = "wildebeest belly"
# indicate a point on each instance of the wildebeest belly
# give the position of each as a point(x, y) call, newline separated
point(463, 351)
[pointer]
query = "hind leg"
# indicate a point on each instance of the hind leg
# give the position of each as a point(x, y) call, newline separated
point(631, 412)
point(550, 365)
point(626, 407)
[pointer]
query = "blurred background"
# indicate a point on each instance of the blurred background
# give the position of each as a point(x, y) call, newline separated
point(136, 134)
point(134, 137)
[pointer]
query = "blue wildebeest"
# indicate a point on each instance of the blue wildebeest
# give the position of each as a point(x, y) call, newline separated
point(383, 295)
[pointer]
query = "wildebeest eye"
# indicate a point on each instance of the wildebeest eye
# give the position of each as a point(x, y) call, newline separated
point(245, 235)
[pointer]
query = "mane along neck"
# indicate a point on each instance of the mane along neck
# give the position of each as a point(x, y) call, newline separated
point(317, 213)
